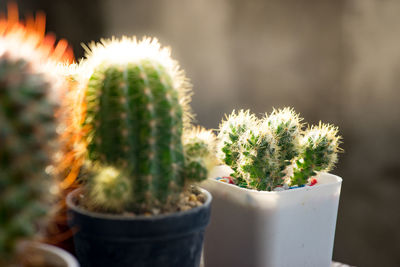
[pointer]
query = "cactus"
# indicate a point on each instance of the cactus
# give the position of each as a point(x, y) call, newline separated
point(199, 152)
point(318, 152)
point(258, 161)
point(286, 128)
point(28, 137)
point(269, 148)
point(261, 152)
point(111, 184)
point(230, 131)
point(27, 119)
point(136, 112)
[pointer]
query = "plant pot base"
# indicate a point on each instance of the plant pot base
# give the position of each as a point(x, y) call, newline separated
point(119, 241)
point(271, 229)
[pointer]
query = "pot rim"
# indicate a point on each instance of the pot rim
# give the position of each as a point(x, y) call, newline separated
point(71, 205)
point(297, 189)
point(67, 257)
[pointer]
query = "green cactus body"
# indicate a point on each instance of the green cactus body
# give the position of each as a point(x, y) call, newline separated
point(258, 161)
point(318, 152)
point(284, 124)
point(231, 130)
point(136, 123)
point(27, 135)
point(136, 113)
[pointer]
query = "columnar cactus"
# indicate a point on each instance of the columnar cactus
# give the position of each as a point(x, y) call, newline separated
point(28, 138)
point(136, 111)
point(318, 152)
point(260, 152)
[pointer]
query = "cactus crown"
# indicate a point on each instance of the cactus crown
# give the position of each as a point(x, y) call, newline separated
point(28, 138)
point(259, 151)
point(136, 112)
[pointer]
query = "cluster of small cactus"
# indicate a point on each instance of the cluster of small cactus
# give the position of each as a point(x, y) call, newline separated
point(28, 136)
point(137, 111)
point(261, 152)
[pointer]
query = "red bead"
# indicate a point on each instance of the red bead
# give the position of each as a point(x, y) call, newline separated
point(313, 181)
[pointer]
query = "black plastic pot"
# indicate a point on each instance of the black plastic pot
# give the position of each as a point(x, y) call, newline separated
point(174, 240)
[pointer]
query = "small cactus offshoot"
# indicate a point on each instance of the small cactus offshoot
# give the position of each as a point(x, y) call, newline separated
point(136, 113)
point(261, 151)
point(28, 137)
point(318, 152)
point(109, 183)
point(199, 150)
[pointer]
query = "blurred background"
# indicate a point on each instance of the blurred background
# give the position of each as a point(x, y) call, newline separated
point(335, 61)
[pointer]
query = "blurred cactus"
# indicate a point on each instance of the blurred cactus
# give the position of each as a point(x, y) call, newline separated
point(260, 151)
point(27, 129)
point(199, 151)
point(28, 136)
point(109, 188)
point(136, 112)
point(72, 155)
point(318, 152)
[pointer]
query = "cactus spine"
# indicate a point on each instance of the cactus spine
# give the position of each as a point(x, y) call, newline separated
point(28, 138)
point(136, 111)
point(260, 151)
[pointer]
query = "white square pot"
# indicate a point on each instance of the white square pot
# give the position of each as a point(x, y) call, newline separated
point(252, 228)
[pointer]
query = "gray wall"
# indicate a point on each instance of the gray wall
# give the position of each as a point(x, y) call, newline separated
point(335, 61)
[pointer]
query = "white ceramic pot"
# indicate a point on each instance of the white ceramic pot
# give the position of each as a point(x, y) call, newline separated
point(45, 255)
point(258, 229)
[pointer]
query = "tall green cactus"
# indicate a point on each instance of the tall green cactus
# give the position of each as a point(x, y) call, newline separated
point(136, 111)
point(27, 143)
point(318, 152)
